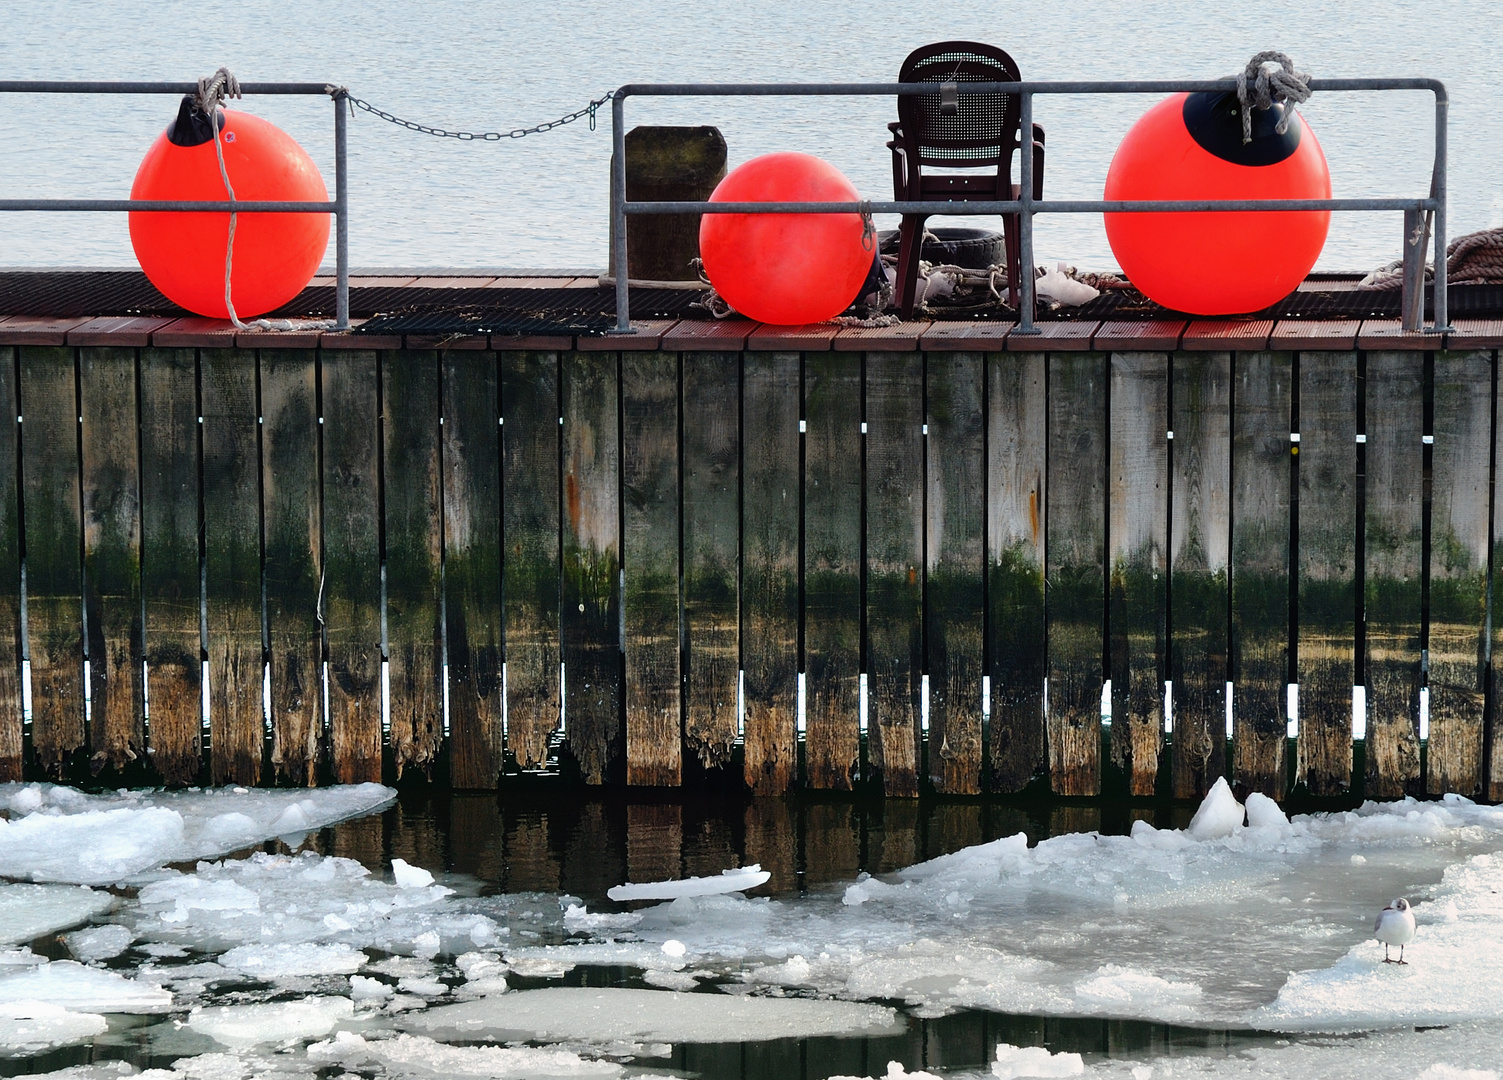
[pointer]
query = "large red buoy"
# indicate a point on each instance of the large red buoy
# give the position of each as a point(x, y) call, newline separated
point(785, 268)
point(1190, 147)
point(275, 255)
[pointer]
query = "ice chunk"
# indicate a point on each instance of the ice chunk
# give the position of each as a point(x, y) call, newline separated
point(29, 911)
point(674, 948)
point(274, 1022)
point(591, 1014)
point(303, 958)
point(1264, 813)
point(408, 876)
point(1123, 992)
point(1220, 814)
point(729, 881)
point(98, 942)
point(362, 988)
point(1019, 1061)
point(578, 917)
point(29, 1027)
point(895, 1071)
point(73, 986)
point(418, 1057)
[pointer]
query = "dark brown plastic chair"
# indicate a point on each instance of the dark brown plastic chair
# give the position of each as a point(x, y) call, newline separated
point(967, 131)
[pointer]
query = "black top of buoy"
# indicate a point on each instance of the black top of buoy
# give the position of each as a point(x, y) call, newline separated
point(1214, 120)
point(191, 128)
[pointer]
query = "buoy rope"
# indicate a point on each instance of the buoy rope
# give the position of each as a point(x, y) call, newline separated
point(212, 90)
point(1259, 86)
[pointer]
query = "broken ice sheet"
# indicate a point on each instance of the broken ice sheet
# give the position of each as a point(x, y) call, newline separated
point(29, 911)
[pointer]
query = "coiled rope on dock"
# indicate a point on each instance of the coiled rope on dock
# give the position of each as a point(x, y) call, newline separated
point(1473, 259)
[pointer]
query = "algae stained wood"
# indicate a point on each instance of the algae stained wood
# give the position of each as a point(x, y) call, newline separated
point(711, 485)
point(894, 567)
point(1327, 567)
point(11, 718)
point(1262, 390)
point(1493, 782)
point(294, 578)
point(1199, 562)
point(650, 561)
point(1393, 548)
point(232, 559)
point(472, 565)
point(590, 620)
point(530, 565)
point(1458, 571)
point(112, 546)
point(1016, 414)
point(955, 566)
point(1139, 526)
point(832, 568)
point(170, 561)
point(1076, 561)
point(770, 568)
point(410, 412)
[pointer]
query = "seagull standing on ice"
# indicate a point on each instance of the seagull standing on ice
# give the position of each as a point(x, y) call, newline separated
point(1395, 926)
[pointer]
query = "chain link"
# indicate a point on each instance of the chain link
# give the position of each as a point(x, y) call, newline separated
point(484, 136)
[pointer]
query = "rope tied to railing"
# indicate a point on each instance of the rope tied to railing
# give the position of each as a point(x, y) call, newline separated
point(1259, 86)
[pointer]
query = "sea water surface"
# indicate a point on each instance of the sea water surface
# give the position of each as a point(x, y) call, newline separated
point(542, 201)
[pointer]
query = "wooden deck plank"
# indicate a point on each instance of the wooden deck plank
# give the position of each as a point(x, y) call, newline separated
point(1139, 335)
point(1016, 415)
point(11, 717)
point(1327, 334)
point(955, 562)
point(894, 567)
point(832, 568)
point(1199, 567)
point(112, 547)
point(1393, 545)
point(1067, 336)
point(1218, 335)
point(815, 337)
point(1138, 574)
point(979, 335)
point(770, 516)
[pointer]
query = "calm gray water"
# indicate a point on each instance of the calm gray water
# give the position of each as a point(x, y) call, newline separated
point(541, 201)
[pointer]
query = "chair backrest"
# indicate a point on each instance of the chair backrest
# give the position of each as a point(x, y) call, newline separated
point(982, 129)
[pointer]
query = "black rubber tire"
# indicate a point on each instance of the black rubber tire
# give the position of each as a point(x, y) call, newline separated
point(974, 249)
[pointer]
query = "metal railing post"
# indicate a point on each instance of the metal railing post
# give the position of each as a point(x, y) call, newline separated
point(1025, 219)
point(1441, 316)
point(341, 217)
point(618, 210)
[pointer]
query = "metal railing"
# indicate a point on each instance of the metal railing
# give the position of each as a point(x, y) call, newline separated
point(1417, 211)
point(339, 207)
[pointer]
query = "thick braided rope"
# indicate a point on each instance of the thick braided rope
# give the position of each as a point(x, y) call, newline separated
point(1259, 87)
point(212, 90)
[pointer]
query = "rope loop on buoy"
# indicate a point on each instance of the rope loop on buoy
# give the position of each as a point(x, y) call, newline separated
point(1259, 86)
point(868, 227)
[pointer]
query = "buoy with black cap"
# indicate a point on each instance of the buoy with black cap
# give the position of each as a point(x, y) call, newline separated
point(232, 265)
point(1248, 144)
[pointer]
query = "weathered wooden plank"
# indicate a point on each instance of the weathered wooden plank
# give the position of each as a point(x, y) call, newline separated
point(232, 557)
point(112, 546)
point(530, 566)
point(11, 719)
point(650, 562)
point(1393, 545)
point(410, 410)
point(1076, 562)
point(169, 560)
point(832, 568)
point(1138, 578)
point(955, 568)
point(590, 623)
point(1262, 385)
point(711, 485)
point(1016, 423)
point(1327, 567)
point(472, 565)
point(1493, 782)
point(294, 558)
point(352, 563)
point(54, 541)
point(770, 569)
point(1199, 562)
point(894, 567)
point(1458, 570)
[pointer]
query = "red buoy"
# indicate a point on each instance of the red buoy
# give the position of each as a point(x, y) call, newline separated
point(785, 269)
point(1190, 146)
point(275, 255)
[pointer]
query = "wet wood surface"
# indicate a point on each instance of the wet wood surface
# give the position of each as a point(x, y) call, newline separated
point(894, 567)
point(1076, 562)
point(1393, 557)
point(11, 718)
point(1327, 567)
point(955, 563)
point(232, 565)
point(1459, 482)
point(530, 531)
point(1199, 567)
point(1016, 413)
point(711, 509)
point(770, 568)
point(1138, 574)
point(590, 634)
point(170, 584)
point(832, 567)
point(650, 561)
point(472, 565)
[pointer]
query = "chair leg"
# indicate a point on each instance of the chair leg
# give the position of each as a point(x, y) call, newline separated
point(1014, 250)
point(911, 243)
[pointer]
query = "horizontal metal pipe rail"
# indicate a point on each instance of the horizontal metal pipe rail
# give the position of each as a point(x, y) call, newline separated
point(339, 206)
point(1025, 206)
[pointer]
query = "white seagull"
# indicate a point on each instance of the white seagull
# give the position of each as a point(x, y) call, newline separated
point(1394, 926)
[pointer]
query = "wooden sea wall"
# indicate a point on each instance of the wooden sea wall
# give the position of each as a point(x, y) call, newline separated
point(778, 557)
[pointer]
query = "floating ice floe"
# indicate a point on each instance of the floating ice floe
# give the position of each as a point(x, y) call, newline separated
point(729, 881)
point(300, 958)
point(895, 1071)
point(1035, 1061)
point(29, 1027)
point(29, 911)
point(71, 985)
point(271, 1023)
point(418, 1057)
point(98, 942)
